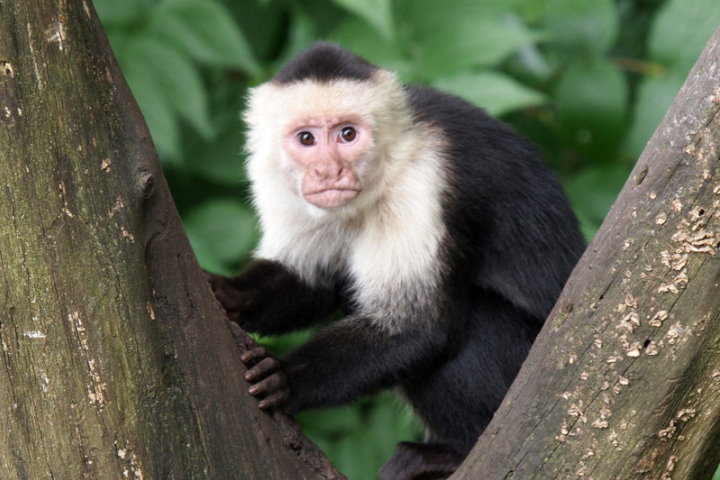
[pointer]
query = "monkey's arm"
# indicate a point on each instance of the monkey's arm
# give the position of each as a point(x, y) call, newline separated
point(271, 299)
point(351, 358)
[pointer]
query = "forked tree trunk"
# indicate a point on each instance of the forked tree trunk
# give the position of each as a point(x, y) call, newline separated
point(624, 380)
point(116, 361)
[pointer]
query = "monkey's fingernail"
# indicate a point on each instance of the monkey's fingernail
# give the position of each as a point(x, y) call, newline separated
point(254, 389)
point(249, 376)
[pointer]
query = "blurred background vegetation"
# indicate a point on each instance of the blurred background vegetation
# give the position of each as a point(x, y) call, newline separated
point(587, 80)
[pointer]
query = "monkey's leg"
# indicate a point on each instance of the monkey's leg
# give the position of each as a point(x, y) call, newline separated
point(421, 461)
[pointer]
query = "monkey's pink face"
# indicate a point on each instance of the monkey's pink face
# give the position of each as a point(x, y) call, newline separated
point(327, 153)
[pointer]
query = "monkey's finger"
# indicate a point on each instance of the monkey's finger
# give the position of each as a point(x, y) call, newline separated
point(234, 318)
point(275, 400)
point(272, 383)
point(263, 368)
point(253, 355)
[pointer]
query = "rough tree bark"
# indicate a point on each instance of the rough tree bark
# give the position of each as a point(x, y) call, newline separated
point(116, 361)
point(624, 380)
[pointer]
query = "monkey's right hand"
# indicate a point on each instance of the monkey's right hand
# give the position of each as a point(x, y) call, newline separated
point(267, 381)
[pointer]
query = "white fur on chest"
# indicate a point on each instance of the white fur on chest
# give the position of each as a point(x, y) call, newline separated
point(390, 248)
point(395, 259)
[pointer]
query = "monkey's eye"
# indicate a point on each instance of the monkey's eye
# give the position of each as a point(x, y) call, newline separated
point(306, 139)
point(348, 134)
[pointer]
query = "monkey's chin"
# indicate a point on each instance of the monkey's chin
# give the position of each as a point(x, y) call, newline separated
point(331, 197)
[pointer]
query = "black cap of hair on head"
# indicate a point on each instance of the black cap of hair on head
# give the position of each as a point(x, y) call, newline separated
point(325, 62)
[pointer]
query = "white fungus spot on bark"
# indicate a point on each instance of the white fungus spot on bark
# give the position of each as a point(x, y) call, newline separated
point(34, 334)
point(658, 318)
point(56, 33)
point(600, 423)
point(634, 350)
point(674, 333)
point(651, 349)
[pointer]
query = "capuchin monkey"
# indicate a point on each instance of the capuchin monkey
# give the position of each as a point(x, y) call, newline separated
point(436, 230)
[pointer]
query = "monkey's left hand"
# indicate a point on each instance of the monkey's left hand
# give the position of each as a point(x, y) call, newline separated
point(267, 381)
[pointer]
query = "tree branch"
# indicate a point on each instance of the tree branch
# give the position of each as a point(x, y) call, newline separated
point(624, 379)
point(116, 360)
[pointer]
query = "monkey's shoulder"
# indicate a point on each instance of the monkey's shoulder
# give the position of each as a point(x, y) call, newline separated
point(479, 145)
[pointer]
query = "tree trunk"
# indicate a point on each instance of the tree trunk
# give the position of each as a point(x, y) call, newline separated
point(624, 380)
point(116, 360)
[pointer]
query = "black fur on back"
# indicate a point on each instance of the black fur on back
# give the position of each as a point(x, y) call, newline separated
point(325, 62)
point(508, 214)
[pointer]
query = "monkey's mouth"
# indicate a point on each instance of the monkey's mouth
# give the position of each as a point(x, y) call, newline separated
point(331, 197)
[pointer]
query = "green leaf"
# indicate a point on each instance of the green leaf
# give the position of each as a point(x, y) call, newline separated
point(681, 30)
point(173, 76)
point(262, 24)
point(593, 191)
point(448, 37)
point(377, 13)
point(676, 40)
point(207, 259)
point(281, 344)
point(126, 11)
point(581, 25)
point(222, 229)
point(471, 43)
point(156, 109)
point(358, 462)
point(391, 422)
point(372, 426)
point(495, 92)
point(301, 34)
point(654, 97)
point(354, 35)
point(592, 107)
point(220, 160)
point(206, 31)
point(331, 422)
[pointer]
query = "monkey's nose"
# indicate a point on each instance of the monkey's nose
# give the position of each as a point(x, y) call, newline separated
point(327, 171)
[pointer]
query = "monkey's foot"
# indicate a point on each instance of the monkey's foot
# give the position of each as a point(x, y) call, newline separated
point(267, 381)
point(420, 461)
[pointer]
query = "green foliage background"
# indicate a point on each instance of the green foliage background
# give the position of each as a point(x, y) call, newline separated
point(586, 80)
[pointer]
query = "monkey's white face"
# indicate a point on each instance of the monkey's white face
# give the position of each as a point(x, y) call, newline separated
point(327, 154)
point(326, 150)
